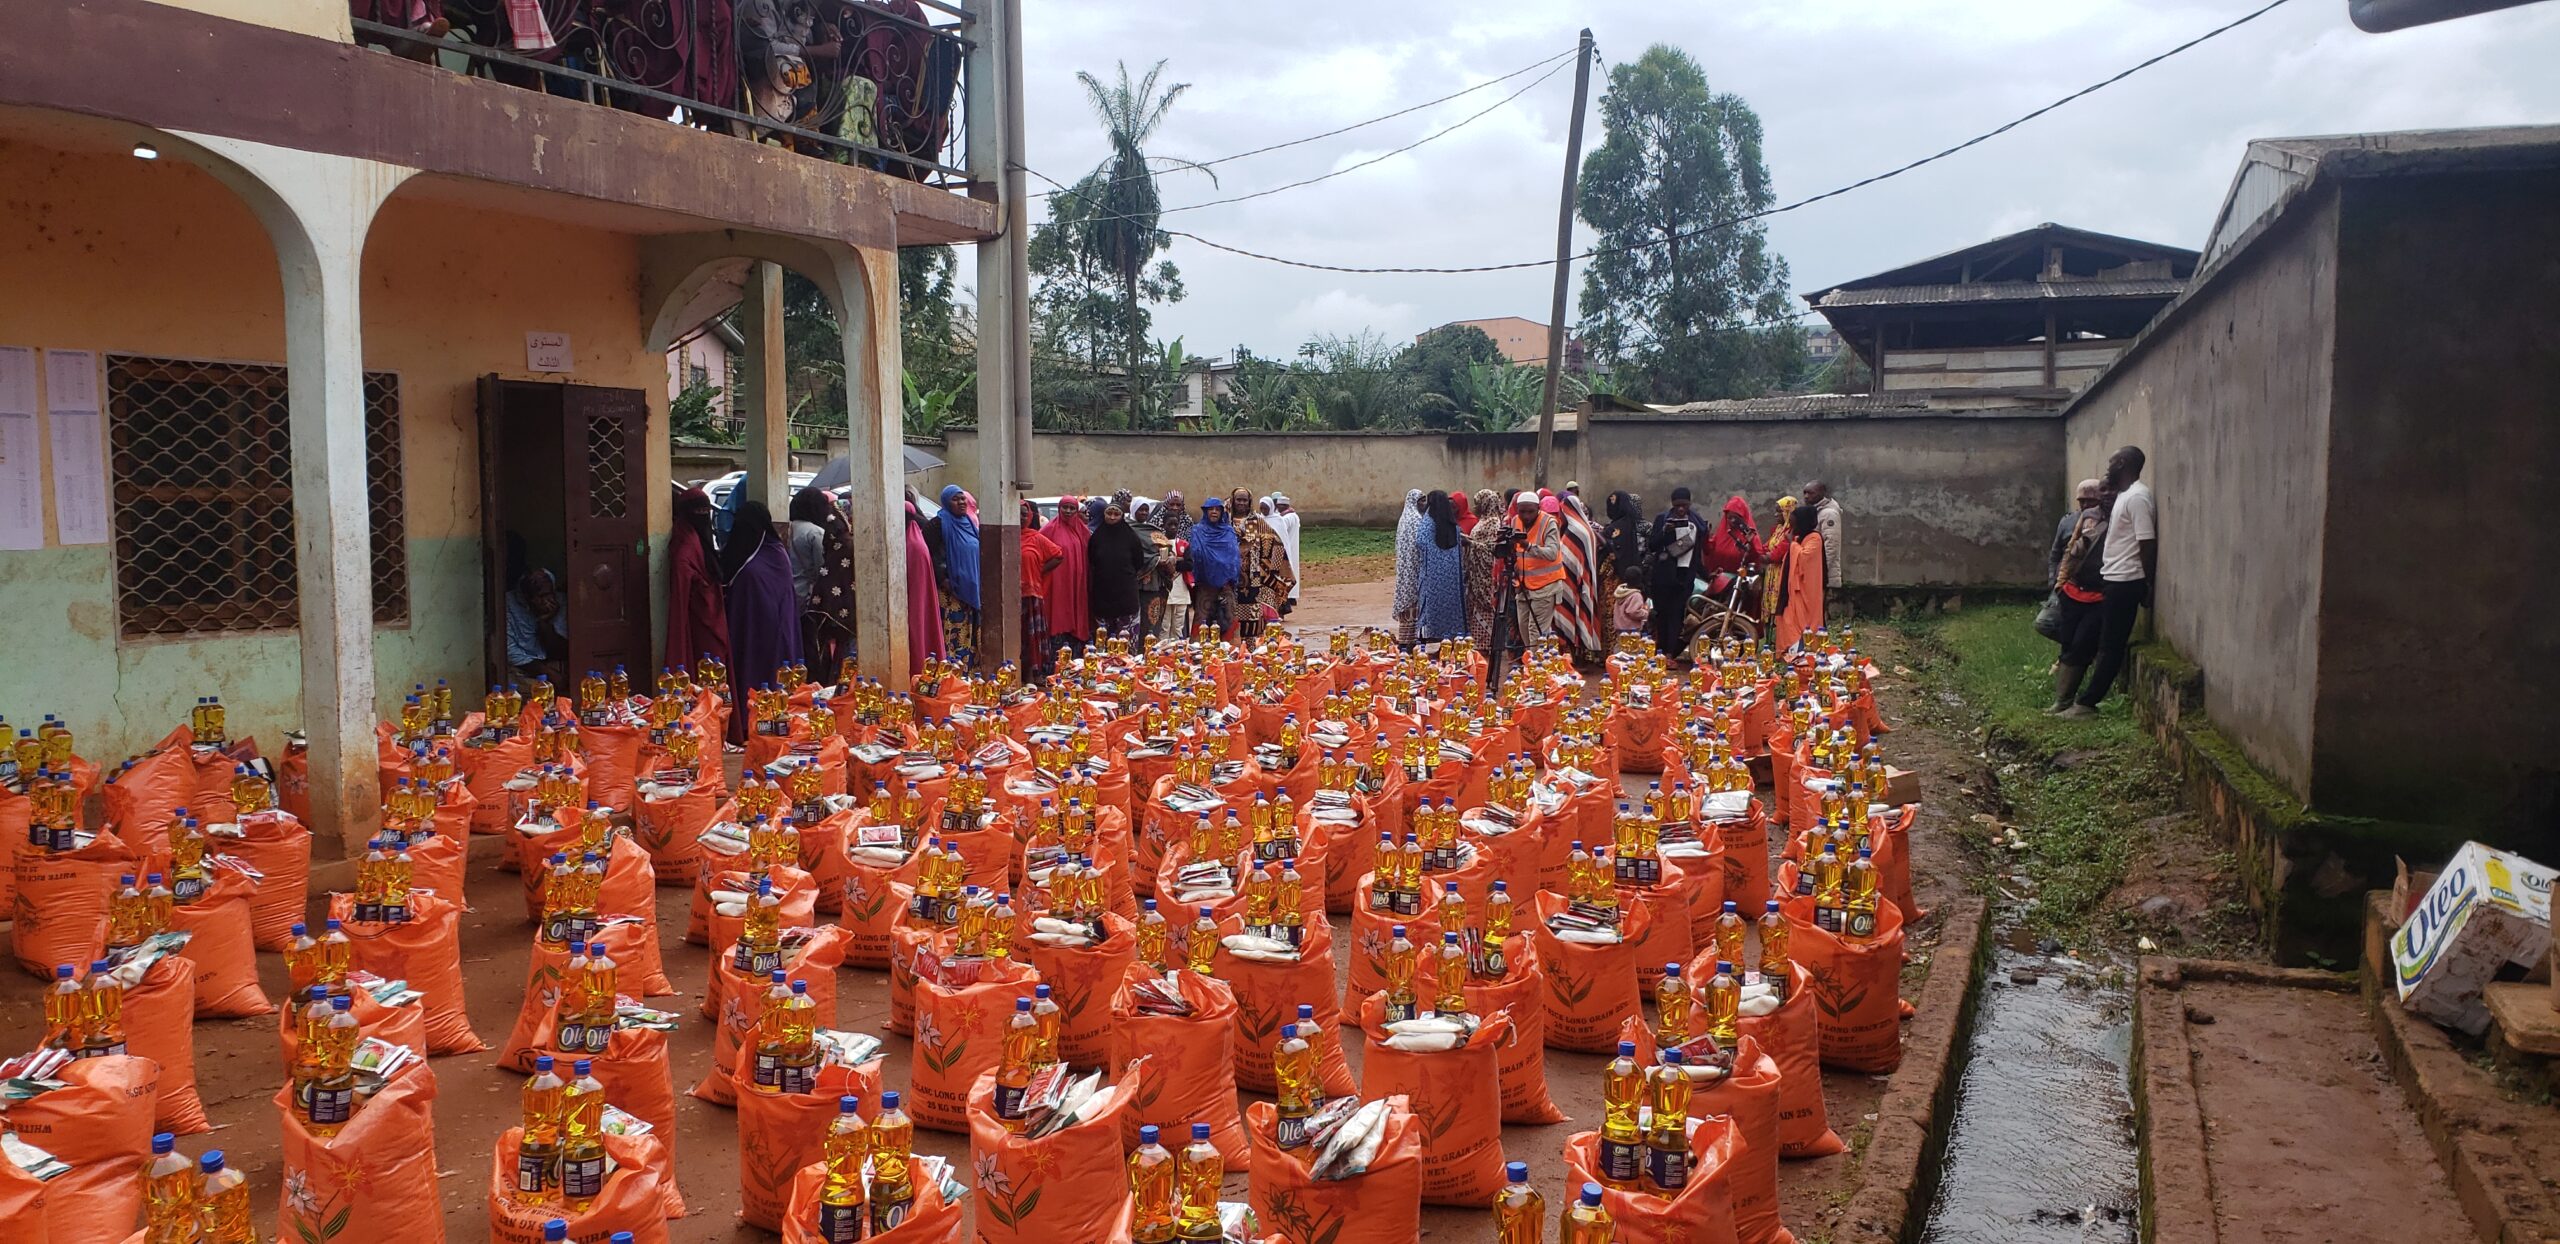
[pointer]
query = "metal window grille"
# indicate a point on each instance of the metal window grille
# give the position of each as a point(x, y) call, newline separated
point(202, 467)
point(608, 477)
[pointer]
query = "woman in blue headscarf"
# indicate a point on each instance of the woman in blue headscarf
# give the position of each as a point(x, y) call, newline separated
point(1215, 561)
point(953, 537)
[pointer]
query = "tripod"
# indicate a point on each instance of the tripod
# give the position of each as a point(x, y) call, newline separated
point(1505, 640)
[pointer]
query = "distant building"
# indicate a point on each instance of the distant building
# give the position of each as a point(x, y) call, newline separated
point(1821, 345)
point(1520, 340)
point(707, 356)
point(1213, 378)
point(2025, 320)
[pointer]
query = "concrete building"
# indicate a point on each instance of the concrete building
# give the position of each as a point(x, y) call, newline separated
point(1521, 340)
point(301, 334)
point(2017, 322)
point(2349, 417)
point(707, 356)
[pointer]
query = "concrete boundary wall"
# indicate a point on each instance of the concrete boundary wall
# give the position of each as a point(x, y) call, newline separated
point(1935, 500)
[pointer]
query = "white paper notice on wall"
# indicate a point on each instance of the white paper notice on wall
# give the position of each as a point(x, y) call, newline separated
point(547, 352)
point(21, 479)
point(79, 446)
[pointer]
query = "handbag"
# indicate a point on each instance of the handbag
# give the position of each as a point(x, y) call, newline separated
point(2049, 618)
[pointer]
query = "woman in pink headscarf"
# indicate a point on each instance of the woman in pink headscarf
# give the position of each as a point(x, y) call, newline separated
point(1070, 612)
point(924, 603)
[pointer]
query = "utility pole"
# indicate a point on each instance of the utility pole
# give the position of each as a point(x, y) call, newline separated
point(1004, 327)
point(1564, 252)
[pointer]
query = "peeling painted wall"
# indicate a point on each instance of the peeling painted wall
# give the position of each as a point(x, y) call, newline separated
point(108, 253)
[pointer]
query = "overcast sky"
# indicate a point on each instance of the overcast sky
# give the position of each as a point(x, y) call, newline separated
point(1844, 88)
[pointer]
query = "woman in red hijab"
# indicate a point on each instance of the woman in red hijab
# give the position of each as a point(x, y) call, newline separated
point(1466, 513)
point(697, 611)
point(1735, 546)
point(1070, 617)
point(1039, 557)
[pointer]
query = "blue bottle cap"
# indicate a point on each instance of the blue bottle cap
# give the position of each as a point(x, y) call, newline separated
point(1516, 1172)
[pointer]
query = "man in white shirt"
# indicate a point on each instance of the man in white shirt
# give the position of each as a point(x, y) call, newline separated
point(2126, 565)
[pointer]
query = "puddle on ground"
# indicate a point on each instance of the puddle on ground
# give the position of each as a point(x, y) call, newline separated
point(2041, 1146)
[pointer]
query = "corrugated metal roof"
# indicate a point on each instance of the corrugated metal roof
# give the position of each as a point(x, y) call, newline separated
point(1798, 404)
point(2001, 291)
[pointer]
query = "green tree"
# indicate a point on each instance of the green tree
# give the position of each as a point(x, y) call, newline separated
point(1118, 204)
point(691, 416)
point(1500, 397)
point(1354, 381)
point(1439, 361)
point(1679, 272)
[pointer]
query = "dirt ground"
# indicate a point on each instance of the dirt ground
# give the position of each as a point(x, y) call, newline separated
point(239, 1063)
point(2306, 1136)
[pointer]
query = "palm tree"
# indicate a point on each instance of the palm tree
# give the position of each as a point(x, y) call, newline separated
point(1120, 204)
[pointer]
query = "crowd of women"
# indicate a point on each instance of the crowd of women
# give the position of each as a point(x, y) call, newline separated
point(1584, 581)
point(1099, 568)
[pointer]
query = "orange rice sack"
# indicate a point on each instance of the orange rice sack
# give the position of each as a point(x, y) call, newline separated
point(1792, 1037)
point(639, 1081)
point(741, 1002)
point(426, 951)
point(160, 1024)
point(144, 797)
point(1373, 931)
point(1665, 937)
point(1191, 1071)
point(1458, 1096)
point(613, 762)
point(438, 860)
point(1889, 835)
point(874, 898)
point(21, 1206)
point(486, 770)
point(1591, 989)
point(546, 978)
point(1744, 845)
point(1637, 735)
point(631, 1199)
point(1068, 1185)
point(101, 1126)
point(1700, 883)
point(1382, 1205)
point(1749, 1096)
point(1348, 848)
point(1521, 993)
point(405, 1024)
point(62, 897)
point(222, 947)
point(669, 828)
point(1082, 980)
point(1701, 1213)
point(799, 905)
point(908, 939)
point(1528, 856)
point(959, 1036)
point(1269, 995)
point(1858, 985)
point(279, 847)
point(931, 1220)
point(778, 1133)
point(374, 1181)
point(709, 876)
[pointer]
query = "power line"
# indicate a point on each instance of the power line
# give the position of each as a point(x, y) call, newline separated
point(1746, 218)
point(1311, 138)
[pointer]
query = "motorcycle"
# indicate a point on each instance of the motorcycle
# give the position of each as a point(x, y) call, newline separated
point(1724, 607)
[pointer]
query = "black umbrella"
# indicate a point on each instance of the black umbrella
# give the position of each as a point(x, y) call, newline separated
point(838, 471)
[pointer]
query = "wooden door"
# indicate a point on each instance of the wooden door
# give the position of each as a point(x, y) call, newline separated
point(606, 581)
point(493, 572)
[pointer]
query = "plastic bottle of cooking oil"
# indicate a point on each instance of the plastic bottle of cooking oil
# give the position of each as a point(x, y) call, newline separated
point(336, 955)
point(1044, 1010)
point(1671, 1003)
point(63, 1005)
point(1151, 1190)
point(171, 1194)
point(1398, 964)
point(1200, 952)
point(538, 1152)
point(760, 934)
point(1667, 1142)
point(1724, 1005)
point(1729, 932)
point(1450, 974)
point(1776, 970)
point(1519, 1213)
point(311, 1026)
point(840, 1197)
point(1155, 936)
point(125, 914)
point(1827, 878)
point(1858, 899)
point(225, 1202)
point(600, 998)
point(1200, 1173)
point(1622, 1099)
point(1293, 1067)
point(1586, 1221)
point(333, 1095)
point(1020, 1060)
point(1288, 904)
point(893, 1187)
point(582, 1159)
point(101, 1013)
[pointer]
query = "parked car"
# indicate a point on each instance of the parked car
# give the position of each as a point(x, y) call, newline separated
point(1049, 505)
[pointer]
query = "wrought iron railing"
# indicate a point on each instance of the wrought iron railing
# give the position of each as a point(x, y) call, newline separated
point(876, 83)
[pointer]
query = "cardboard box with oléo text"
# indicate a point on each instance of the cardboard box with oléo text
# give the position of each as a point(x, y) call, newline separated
point(2487, 908)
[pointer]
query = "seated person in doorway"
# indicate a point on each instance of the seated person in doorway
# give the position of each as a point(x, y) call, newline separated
point(537, 628)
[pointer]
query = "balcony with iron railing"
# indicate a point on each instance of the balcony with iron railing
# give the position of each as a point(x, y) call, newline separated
point(876, 84)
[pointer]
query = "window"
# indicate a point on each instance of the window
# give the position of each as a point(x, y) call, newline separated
point(201, 456)
point(697, 375)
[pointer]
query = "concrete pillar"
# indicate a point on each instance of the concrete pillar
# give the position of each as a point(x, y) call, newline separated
point(317, 209)
point(766, 403)
point(1004, 329)
point(867, 308)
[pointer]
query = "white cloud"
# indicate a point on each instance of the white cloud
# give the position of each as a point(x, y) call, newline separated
point(1844, 88)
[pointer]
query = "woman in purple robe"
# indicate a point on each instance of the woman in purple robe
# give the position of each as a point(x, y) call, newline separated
point(764, 616)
